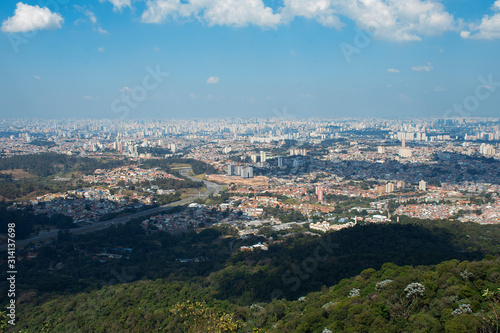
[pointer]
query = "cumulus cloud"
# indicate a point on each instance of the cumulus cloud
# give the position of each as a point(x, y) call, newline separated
point(118, 5)
point(488, 28)
point(236, 13)
point(398, 20)
point(323, 11)
point(213, 80)
point(101, 49)
point(160, 10)
point(29, 18)
point(423, 68)
point(37, 77)
point(393, 70)
point(395, 20)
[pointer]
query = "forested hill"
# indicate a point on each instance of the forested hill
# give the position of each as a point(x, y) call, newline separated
point(452, 296)
point(167, 273)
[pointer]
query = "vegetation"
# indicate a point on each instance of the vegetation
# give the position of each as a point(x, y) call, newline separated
point(285, 216)
point(198, 167)
point(452, 296)
point(47, 164)
point(27, 222)
point(43, 143)
point(415, 276)
point(43, 167)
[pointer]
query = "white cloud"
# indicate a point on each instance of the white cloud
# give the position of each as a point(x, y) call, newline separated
point(29, 18)
point(90, 98)
point(237, 13)
point(125, 90)
point(395, 20)
point(213, 80)
point(101, 49)
point(489, 28)
point(398, 20)
point(37, 77)
point(393, 70)
point(159, 10)
point(193, 96)
point(102, 31)
point(92, 18)
point(439, 88)
point(156, 49)
point(118, 5)
point(423, 68)
point(322, 11)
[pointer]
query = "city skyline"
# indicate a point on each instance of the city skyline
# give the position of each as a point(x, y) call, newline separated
point(166, 59)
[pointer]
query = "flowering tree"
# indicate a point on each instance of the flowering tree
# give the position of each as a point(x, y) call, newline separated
point(403, 306)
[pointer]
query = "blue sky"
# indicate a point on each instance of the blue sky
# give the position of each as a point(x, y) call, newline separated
point(249, 58)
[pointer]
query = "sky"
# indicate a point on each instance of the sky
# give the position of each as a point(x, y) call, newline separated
point(163, 59)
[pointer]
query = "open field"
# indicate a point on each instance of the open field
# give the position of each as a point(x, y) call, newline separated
point(224, 179)
point(18, 173)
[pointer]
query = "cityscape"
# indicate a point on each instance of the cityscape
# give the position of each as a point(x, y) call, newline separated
point(310, 166)
point(263, 181)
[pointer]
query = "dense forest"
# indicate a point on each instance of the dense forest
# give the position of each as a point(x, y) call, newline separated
point(226, 280)
point(452, 296)
point(27, 222)
point(47, 164)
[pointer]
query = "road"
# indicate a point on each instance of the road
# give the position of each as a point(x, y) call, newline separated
point(212, 188)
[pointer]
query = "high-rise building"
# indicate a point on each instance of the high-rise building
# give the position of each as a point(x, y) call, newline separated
point(295, 152)
point(422, 186)
point(486, 149)
point(320, 193)
point(262, 156)
point(246, 172)
point(400, 184)
point(231, 170)
point(254, 158)
point(280, 162)
point(389, 188)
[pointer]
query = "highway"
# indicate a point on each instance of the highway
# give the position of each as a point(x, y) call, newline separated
point(212, 188)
